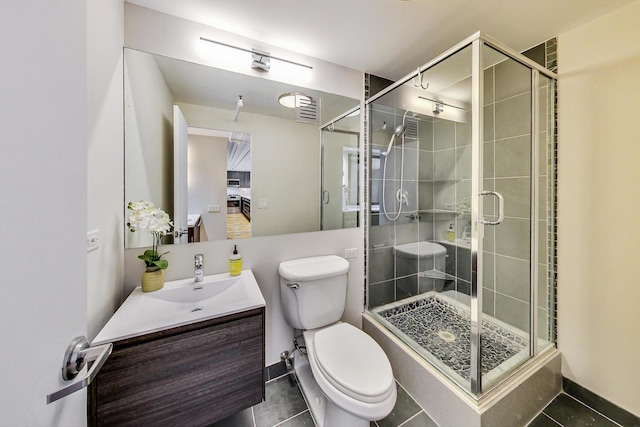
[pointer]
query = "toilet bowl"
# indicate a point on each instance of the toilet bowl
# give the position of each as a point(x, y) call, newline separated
point(345, 375)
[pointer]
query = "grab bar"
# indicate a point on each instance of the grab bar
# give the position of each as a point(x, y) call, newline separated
point(500, 208)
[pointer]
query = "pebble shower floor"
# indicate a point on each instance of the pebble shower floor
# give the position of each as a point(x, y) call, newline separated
point(444, 330)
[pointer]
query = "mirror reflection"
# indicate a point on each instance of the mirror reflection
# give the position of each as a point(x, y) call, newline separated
point(340, 172)
point(218, 152)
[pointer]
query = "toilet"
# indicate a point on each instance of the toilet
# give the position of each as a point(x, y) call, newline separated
point(345, 375)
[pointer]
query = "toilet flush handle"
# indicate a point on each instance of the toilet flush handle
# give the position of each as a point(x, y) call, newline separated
point(293, 285)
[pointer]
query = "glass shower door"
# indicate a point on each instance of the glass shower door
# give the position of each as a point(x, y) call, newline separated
point(507, 207)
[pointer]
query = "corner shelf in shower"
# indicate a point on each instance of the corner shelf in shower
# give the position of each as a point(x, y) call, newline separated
point(437, 181)
point(440, 211)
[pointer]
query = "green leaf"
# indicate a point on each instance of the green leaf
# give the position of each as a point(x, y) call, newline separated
point(162, 263)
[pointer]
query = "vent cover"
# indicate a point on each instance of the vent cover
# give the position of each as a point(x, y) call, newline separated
point(412, 128)
point(308, 111)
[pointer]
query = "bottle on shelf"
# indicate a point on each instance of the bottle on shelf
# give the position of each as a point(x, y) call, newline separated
point(451, 233)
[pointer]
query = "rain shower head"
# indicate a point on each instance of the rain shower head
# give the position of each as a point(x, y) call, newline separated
point(398, 131)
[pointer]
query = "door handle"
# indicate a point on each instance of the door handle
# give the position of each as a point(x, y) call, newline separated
point(325, 197)
point(179, 232)
point(500, 208)
point(78, 353)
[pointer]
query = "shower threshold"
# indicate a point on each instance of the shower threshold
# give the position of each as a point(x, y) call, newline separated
point(438, 328)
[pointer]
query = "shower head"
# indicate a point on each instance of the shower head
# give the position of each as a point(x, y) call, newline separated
point(398, 131)
point(239, 105)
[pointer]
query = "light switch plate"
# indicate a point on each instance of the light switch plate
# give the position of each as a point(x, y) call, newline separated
point(351, 253)
point(93, 240)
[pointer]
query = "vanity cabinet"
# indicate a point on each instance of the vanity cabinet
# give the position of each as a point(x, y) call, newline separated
point(191, 375)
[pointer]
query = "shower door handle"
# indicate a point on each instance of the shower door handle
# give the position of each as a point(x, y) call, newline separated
point(500, 208)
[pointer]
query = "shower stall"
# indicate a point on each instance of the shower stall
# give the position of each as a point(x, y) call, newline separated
point(460, 233)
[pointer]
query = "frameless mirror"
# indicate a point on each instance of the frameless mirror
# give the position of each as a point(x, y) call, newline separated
point(183, 124)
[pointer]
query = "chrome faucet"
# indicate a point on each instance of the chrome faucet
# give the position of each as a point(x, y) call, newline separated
point(198, 263)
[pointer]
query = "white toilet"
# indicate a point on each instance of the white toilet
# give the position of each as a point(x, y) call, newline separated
point(346, 377)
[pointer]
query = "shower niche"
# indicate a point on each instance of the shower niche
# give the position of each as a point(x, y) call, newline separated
point(460, 231)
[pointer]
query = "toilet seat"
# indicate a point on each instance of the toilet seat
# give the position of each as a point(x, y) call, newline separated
point(352, 362)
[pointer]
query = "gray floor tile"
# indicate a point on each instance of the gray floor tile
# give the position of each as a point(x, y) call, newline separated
point(283, 401)
point(420, 420)
point(569, 412)
point(405, 408)
point(302, 420)
point(543, 420)
point(241, 419)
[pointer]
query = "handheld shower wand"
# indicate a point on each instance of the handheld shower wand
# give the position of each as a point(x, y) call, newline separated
point(401, 194)
point(398, 131)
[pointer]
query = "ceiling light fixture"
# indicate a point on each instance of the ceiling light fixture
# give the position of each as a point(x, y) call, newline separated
point(260, 59)
point(294, 100)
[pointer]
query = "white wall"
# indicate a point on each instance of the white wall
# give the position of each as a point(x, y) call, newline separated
point(105, 265)
point(598, 205)
point(155, 32)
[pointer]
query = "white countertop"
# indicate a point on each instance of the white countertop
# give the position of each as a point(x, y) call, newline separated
point(192, 219)
point(182, 302)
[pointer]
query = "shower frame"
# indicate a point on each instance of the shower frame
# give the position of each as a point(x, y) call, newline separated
point(477, 41)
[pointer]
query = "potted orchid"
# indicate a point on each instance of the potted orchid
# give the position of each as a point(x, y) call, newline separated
point(145, 216)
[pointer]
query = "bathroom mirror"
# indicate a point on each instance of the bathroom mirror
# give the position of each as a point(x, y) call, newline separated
point(340, 172)
point(282, 187)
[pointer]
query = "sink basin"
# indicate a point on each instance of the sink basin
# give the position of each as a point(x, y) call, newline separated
point(181, 302)
point(196, 291)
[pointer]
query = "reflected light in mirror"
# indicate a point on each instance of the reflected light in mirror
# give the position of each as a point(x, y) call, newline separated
point(290, 73)
point(294, 100)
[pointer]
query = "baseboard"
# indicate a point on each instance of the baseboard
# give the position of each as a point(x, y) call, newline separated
point(274, 371)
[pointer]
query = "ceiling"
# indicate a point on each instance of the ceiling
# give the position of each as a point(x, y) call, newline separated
point(388, 38)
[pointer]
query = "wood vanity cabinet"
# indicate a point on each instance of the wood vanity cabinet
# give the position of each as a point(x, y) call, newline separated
point(191, 375)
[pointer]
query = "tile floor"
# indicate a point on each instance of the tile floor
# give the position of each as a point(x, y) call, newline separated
point(284, 406)
point(566, 410)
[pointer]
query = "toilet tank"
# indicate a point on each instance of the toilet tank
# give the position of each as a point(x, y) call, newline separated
point(313, 290)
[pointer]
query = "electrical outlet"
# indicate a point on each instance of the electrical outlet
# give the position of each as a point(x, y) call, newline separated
point(262, 204)
point(93, 240)
point(351, 253)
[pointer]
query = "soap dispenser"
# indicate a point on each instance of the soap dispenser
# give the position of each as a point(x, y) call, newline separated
point(451, 233)
point(235, 262)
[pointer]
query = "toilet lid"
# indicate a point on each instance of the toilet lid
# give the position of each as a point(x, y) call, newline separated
point(353, 362)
